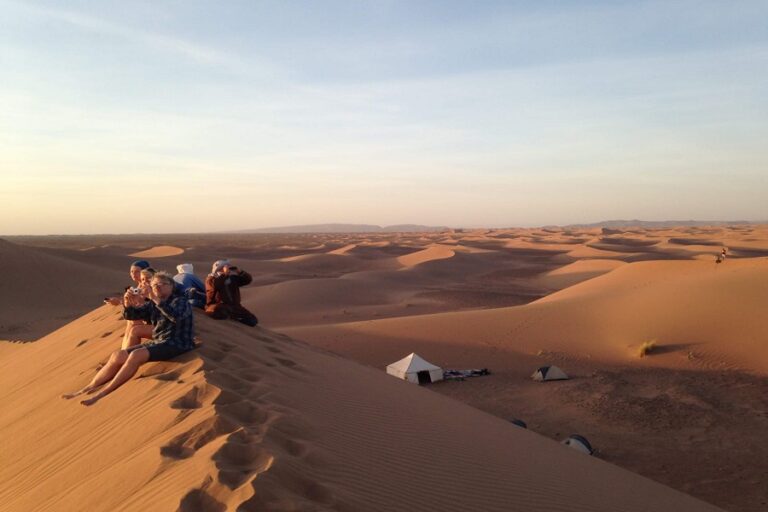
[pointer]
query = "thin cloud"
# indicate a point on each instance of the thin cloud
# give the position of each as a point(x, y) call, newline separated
point(190, 50)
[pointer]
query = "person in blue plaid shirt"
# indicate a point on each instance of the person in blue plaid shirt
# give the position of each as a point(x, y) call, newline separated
point(170, 314)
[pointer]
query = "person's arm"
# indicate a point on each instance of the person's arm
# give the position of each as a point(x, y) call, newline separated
point(197, 284)
point(244, 278)
point(175, 308)
point(143, 312)
point(210, 291)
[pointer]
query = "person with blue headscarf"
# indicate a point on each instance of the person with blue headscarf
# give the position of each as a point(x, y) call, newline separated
point(135, 273)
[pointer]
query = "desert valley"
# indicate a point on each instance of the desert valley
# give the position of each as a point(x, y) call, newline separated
point(299, 413)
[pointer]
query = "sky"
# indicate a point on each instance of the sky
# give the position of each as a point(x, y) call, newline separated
point(191, 116)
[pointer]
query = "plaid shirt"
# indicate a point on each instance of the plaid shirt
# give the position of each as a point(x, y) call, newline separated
point(172, 319)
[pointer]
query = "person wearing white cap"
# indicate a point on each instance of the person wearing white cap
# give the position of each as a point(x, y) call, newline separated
point(191, 285)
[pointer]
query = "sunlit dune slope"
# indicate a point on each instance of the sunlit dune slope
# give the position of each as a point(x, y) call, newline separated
point(705, 312)
point(255, 421)
point(160, 251)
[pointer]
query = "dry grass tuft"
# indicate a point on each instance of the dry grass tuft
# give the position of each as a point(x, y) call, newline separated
point(646, 348)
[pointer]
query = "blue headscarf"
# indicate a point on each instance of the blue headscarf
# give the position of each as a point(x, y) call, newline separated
point(142, 264)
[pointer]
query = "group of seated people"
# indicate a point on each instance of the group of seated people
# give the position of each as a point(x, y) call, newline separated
point(158, 308)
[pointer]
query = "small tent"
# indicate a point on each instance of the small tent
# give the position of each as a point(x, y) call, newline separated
point(549, 373)
point(578, 443)
point(415, 369)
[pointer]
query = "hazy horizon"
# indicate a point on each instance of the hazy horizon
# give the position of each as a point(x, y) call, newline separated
point(138, 117)
point(256, 231)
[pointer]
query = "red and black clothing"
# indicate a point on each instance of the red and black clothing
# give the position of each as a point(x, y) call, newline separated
point(222, 297)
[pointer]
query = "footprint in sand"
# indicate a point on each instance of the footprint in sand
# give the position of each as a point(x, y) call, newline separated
point(191, 400)
point(82, 342)
point(245, 413)
point(106, 334)
point(167, 376)
point(186, 444)
point(275, 350)
point(213, 354)
point(251, 376)
point(289, 363)
point(239, 458)
point(199, 500)
point(231, 382)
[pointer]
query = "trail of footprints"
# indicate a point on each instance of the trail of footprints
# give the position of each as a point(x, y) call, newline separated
point(245, 420)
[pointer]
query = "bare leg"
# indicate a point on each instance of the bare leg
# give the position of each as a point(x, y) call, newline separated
point(109, 370)
point(134, 333)
point(127, 370)
point(129, 325)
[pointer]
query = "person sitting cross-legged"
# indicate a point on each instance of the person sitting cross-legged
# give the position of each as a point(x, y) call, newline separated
point(222, 293)
point(169, 311)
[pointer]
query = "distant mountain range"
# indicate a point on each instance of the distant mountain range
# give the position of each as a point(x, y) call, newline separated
point(418, 228)
point(660, 223)
point(346, 228)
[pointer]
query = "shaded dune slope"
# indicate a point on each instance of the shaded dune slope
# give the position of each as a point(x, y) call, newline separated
point(41, 290)
point(256, 421)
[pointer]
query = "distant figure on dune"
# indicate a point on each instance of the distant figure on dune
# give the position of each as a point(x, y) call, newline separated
point(170, 313)
point(721, 256)
point(192, 286)
point(222, 293)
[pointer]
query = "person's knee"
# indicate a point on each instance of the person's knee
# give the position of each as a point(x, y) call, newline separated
point(118, 356)
point(217, 312)
point(138, 356)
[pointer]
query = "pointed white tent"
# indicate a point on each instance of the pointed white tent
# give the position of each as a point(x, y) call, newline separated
point(415, 369)
point(549, 373)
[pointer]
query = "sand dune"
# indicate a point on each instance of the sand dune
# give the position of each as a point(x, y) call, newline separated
point(706, 318)
point(710, 309)
point(343, 250)
point(576, 272)
point(256, 421)
point(234, 422)
point(42, 290)
point(431, 253)
point(160, 251)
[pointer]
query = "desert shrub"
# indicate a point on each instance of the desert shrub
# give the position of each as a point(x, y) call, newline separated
point(646, 348)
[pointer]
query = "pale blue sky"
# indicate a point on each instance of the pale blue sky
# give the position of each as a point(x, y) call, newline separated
point(194, 116)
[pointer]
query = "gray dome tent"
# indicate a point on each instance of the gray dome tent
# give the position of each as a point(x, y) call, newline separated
point(579, 443)
point(549, 373)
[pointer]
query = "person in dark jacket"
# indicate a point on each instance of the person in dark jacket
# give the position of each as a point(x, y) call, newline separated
point(222, 293)
point(170, 314)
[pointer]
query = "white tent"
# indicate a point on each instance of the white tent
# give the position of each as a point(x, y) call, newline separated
point(549, 373)
point(415, 369)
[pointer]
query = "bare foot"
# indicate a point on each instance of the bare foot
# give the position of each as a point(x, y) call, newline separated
point(92, 400)
point(69, 396)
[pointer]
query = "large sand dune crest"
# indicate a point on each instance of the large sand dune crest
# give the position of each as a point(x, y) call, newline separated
point(255, 421)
